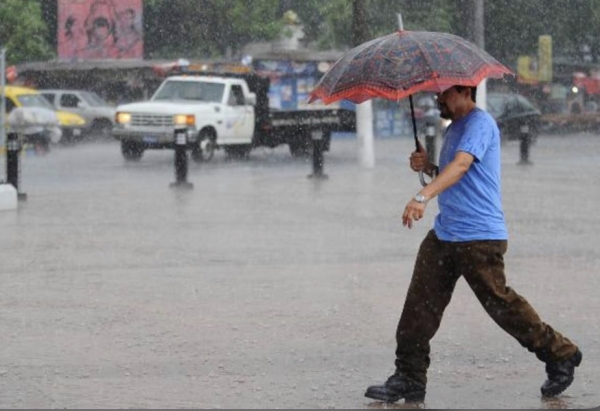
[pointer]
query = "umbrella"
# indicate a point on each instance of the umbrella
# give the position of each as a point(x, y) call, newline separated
point(405, 62)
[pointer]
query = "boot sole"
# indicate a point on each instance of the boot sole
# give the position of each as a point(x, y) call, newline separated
point(549, 393)
point(417, 396)
point(557, 391)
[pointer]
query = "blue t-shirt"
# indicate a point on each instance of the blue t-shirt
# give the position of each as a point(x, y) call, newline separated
point(472, 208)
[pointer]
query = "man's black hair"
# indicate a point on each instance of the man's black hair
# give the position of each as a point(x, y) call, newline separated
point(473, 91)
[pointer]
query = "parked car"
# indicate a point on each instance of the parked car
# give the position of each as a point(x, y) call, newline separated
point(36, 126)
point(71, 124)
point(99, 115)
point(513, 111)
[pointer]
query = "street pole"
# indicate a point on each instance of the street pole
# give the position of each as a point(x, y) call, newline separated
point(479, 40)
point(364, 111)
point(181, 159)
point(2, 94)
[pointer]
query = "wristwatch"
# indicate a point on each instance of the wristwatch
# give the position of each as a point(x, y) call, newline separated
point(420, 198)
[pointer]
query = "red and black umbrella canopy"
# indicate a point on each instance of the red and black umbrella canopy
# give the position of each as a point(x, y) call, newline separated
point(403, 63)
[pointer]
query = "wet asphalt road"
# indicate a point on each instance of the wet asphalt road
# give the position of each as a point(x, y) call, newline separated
point(261, 288)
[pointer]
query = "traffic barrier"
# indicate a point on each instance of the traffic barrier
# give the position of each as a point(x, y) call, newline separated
point(317, 154)
point(13, 172)
point(525, 143)
point(181, 160)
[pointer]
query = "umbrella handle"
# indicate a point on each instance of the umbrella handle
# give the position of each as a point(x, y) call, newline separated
point(414, 123)
point(422, 178)
point(434, 174)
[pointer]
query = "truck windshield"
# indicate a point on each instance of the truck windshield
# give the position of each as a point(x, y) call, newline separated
point(191, 90)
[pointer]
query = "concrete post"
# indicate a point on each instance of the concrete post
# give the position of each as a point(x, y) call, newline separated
point(524, 144)
point(479, 39)
point(364, 111)
point(181, 160)
point(364, 133)
point(13, 172)
point(317, 154)
point(2, 94)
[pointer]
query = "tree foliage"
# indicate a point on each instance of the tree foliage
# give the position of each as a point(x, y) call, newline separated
point(329, 23)
point(201, 28)
point(219, 28)
point(23, 32)
point(511, 32)
point(512, 27)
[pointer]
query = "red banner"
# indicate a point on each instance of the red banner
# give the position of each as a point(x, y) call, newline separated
point(591, 85)
point(11, 73)
point(99, 29)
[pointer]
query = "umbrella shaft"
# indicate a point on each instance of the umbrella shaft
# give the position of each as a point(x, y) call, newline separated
point(414, 122)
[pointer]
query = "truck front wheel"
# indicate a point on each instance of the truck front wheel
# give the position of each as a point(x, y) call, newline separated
point(131, 151)
point(204, 149)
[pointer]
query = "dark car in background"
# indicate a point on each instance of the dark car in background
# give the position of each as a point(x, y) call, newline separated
point(513, 111)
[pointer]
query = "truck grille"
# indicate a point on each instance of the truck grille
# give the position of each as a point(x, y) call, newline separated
point(150, 120)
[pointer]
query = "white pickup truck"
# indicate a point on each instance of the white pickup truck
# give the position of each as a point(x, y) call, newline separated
point(229, 111)
point(217, 111)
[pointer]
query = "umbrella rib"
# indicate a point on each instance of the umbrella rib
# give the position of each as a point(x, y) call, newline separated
point(373, 52)
point(412, 110)
point(348, 55)
point(427, 58)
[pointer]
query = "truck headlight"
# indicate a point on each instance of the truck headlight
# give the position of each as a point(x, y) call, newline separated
point(123, 118)
point(188, 120)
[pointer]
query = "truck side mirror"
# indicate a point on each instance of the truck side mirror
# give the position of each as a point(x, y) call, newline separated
point(251, 99)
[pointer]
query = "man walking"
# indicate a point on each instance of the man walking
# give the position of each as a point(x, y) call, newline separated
point(469, 239)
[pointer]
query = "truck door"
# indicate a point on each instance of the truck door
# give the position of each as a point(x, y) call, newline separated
point(239, 118)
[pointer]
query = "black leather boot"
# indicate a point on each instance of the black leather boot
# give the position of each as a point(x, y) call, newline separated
point(560, 375)
point(396, 387)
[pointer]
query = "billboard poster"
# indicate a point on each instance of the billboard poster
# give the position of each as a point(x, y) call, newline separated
point(100, 29)
point(292, 81)
point(527, 70)
point(545, 58)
